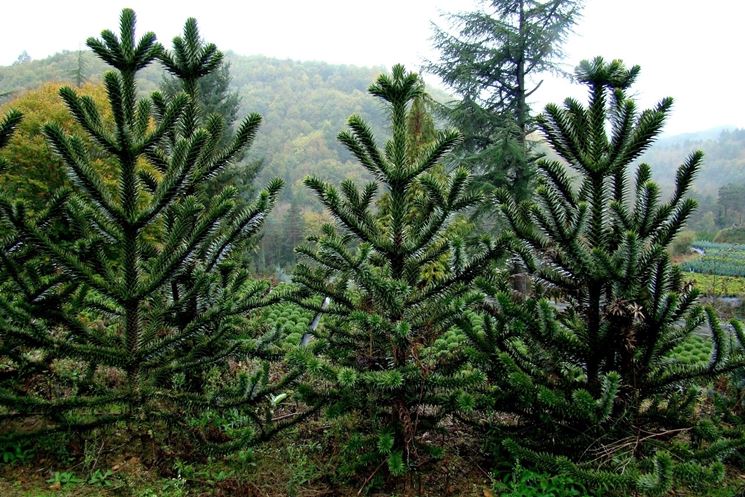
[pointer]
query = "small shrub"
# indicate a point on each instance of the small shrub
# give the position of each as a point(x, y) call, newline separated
point(681, 245)
point(64, 478)
point(525, 483)
point(101, 478)
point(16, 453)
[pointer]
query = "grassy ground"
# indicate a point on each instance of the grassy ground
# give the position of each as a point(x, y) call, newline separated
point(306, 462)
point(287, 467)
point(303, 463)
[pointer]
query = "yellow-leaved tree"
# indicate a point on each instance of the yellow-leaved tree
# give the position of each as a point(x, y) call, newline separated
point(34, 170)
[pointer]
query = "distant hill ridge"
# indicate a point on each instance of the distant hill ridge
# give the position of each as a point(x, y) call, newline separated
point(696, 136)
point(724, 159)
point(304, 105)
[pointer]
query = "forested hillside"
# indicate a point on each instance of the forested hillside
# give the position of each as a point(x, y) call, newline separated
point(304, 105)
point(723, 169)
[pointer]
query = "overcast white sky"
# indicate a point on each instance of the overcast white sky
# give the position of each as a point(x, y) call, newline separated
point(692, 50)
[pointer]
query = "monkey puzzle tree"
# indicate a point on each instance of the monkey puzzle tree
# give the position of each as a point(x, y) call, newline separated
point(383, 318)
point(7, 127)
point(101, 320)
point(594, 378)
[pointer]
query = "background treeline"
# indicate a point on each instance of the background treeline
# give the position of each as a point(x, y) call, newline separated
point(303, 104)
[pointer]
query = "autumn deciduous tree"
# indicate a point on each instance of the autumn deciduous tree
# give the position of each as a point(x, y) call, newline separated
point(35, 172)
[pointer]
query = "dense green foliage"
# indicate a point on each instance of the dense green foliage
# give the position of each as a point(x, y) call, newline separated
point(586, 375)
point(290, 320)
point(695, 350)
point(130, 309)
point(125, 316)
point(488, 62)
point(298, 134)
point(731, 235)
point(214, 95)
point(731, 204)
point(526, 483)
point(34, 171)
point(7, 128)
point(384, 314)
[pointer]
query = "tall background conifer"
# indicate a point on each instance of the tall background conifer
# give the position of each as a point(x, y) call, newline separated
point(492, 59)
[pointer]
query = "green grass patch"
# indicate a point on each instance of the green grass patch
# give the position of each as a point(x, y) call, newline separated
point(715, 285)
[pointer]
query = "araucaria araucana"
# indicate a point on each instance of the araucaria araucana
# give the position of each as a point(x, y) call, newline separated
point(109, 324)
point(592, 378)
point(385, 311)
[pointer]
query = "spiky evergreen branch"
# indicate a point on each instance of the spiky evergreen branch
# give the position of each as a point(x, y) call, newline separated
point(383, 318)
point(598, 365)
point(101, 295)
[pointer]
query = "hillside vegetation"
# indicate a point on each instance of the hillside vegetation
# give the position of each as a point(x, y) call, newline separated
point(413, 348)
point(304, 106)
point(724, 166)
